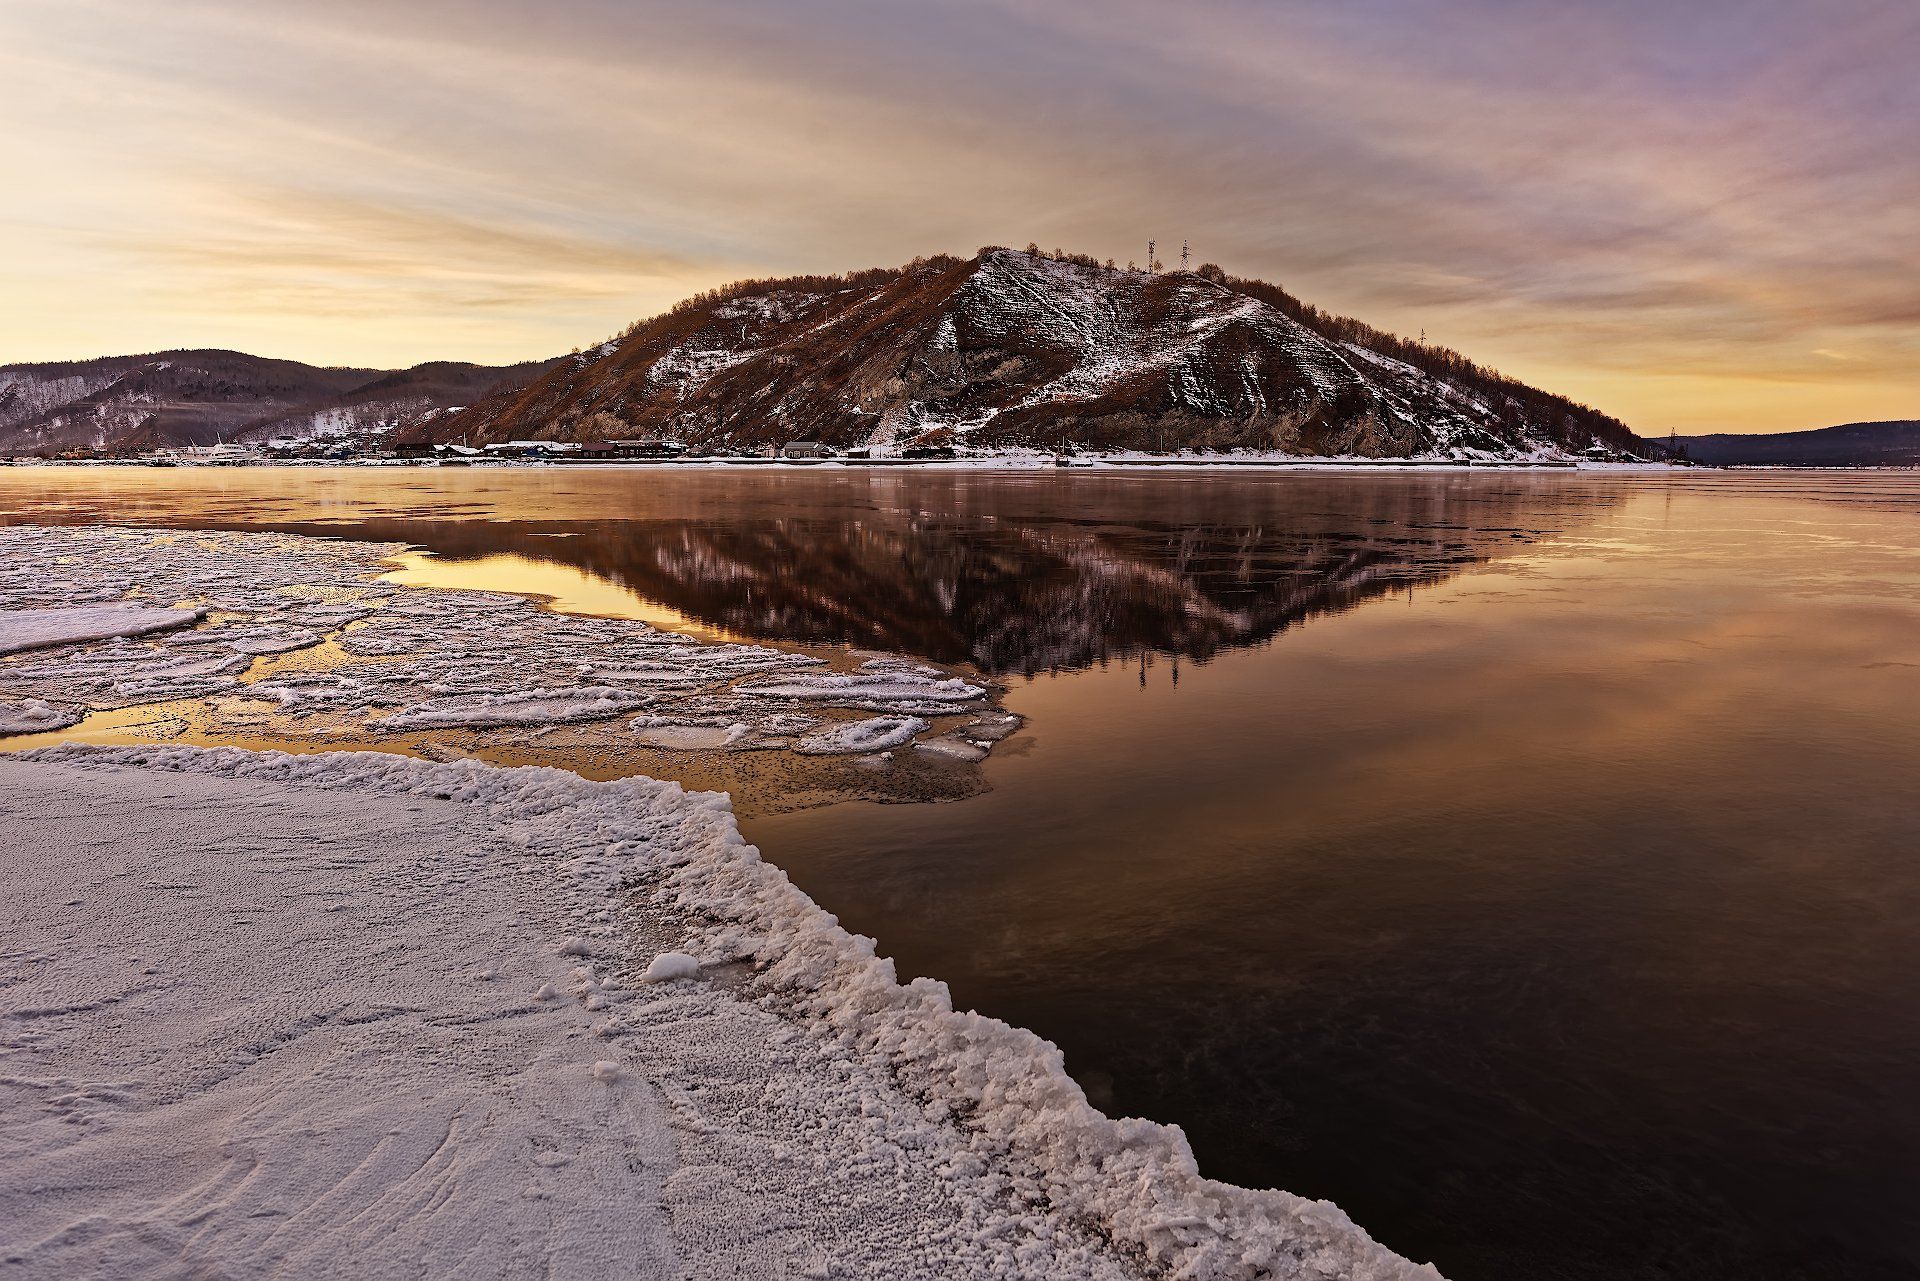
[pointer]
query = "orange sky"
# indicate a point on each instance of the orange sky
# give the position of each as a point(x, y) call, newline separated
point(1698, 217)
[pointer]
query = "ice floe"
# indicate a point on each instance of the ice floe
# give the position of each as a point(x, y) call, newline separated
point(412, 660)
point(24, 629)
point(877, 682)
point(875, 734)
point(528, 707)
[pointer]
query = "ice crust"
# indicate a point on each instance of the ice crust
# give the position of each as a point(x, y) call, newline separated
point(904, 1137)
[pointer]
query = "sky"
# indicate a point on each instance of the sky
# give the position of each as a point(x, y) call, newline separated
point(1697, 216)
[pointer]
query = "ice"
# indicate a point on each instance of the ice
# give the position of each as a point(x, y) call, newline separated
point(24, 629)
point(266, 638)
point(531, 707)
point(875, 734)
point(133, 672)
point(810, 1112)
point(865, 689)
point(686, 735)
point(404, 659)
point(393, 659)
point(955, 746)
point(34, 716)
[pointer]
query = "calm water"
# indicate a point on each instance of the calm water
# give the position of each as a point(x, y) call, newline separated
point(1527, 863)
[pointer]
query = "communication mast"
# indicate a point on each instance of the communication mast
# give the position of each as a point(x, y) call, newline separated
point(1150, 245)
point(1183, 253)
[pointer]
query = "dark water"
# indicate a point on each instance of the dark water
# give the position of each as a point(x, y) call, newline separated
point(1530, 864)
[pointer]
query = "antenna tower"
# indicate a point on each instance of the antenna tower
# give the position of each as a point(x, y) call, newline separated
point(1150, 245)
point(1183, 253)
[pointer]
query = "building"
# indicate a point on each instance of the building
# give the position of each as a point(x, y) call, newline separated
point(805, 449)
point(521, 449)
point(648, 449)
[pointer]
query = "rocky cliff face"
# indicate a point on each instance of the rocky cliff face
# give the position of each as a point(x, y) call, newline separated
point(1014, 348)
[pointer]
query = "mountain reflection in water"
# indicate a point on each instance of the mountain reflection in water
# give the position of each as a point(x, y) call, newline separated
point(1009, 575)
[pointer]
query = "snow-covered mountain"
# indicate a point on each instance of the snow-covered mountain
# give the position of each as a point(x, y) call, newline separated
point(1018, 348)
point(165, 399)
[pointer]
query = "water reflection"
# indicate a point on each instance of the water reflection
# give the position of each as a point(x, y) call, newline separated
point(1013, 575)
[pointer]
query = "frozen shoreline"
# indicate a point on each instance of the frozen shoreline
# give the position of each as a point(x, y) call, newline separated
point(394, 1026)
point(360, 1014)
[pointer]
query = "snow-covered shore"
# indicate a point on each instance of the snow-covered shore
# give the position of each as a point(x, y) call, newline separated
point(358, 1015)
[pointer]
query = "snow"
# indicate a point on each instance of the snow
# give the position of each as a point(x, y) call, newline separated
point(669, 966)
point(1098, 315)
point(24, 629)
point(321, 1087)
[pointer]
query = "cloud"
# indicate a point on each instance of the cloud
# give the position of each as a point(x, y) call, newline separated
point(1609, 198)
point(273, 240)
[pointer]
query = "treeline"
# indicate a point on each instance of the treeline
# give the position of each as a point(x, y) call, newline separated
point(869, 278)
point(1516, 402)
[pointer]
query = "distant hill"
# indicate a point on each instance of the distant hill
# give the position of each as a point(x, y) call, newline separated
point(396, 401)
point(1888, 444)
point(171, 398)
point(1023, 348)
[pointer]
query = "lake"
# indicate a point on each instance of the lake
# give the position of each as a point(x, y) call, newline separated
point(1524, 861)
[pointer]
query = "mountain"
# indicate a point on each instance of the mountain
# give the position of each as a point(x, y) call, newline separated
point(1889, 444)
point(1014, 348)
point(395, 401)
point(171, 398)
